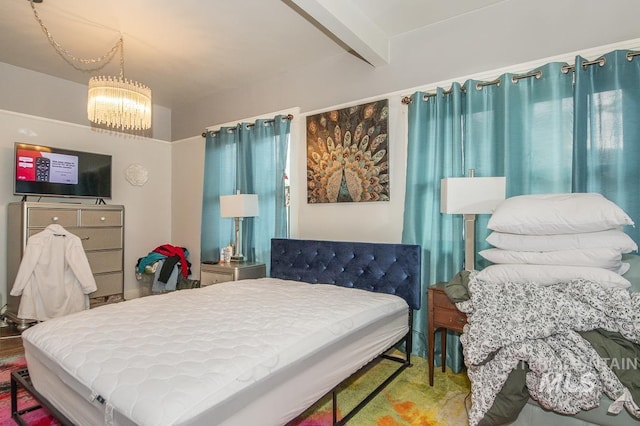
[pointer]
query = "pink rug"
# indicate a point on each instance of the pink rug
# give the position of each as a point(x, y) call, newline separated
point(38, 417)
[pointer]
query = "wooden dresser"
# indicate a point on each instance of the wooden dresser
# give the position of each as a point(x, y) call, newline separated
point(443, 315)
point(101, 229)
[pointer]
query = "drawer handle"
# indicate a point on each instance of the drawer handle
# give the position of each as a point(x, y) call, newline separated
point(102, 219)
point(54, 219)
point(84, 238)
point(460, 320)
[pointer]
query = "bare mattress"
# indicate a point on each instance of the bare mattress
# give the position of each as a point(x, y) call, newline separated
point(245, 352)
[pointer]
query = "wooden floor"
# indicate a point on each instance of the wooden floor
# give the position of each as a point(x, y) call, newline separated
point(10, 342)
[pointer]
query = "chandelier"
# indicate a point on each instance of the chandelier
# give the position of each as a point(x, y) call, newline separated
point(114, 102)
point(118, 102)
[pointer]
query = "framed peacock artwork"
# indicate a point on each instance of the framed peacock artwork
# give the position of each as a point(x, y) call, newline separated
point(348, 154)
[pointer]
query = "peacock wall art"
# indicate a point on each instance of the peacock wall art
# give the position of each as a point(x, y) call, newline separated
point(348, 154)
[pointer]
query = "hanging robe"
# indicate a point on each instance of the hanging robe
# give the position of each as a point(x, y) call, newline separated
point(54, 277)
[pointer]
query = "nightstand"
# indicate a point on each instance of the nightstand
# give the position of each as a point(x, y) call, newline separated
point(443, 315)
point(231, 271)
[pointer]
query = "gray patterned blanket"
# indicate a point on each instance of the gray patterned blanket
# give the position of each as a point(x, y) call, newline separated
point(513, 323)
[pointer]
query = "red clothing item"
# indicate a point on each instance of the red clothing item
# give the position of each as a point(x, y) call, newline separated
point(169, 250)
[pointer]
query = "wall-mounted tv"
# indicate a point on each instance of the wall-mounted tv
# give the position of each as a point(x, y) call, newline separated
point(56, 172)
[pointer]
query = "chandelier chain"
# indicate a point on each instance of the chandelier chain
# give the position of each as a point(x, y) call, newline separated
point(71, 59)
point(121, 58)
point(113, 102)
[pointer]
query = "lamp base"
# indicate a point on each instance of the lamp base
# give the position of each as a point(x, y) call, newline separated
point(469, 242)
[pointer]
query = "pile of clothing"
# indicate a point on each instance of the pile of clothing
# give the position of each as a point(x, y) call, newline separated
point(168, 265)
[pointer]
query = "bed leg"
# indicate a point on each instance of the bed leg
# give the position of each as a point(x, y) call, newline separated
point(334, 397)
point(409, 343)
point(404, 363)
point(443, 348)
point(14, 396)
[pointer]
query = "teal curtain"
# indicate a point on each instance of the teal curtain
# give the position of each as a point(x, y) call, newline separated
point(521, 129)
point(251, 158)
point(540, 130)
point(219, 179)
point(434, 151)
point(607, 131)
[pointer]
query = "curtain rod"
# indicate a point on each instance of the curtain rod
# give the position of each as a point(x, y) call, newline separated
point(479, 85)
point(232, 129)
point(601, 61)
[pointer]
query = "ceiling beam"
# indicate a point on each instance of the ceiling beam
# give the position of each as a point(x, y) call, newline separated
point(348, 24)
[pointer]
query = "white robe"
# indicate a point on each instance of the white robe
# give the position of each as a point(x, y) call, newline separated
point(54, 277)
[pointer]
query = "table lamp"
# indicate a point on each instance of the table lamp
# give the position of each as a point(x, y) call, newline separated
point(470, 196)
point(238, 206)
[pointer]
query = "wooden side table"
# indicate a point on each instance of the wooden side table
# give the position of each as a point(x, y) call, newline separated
point(444, 315)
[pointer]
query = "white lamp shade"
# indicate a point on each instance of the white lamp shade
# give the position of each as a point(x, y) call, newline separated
point(471, 195)
point(239, 205)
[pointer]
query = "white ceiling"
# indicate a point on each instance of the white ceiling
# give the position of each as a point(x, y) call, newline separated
point(188, 49)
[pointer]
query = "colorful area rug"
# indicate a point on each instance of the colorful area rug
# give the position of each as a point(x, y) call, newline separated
point(407, 401)
point(38, 417)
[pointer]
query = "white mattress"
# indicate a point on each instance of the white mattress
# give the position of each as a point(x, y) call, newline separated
point(246, 352)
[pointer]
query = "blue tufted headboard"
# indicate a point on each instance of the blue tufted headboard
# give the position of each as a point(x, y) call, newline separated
point(379, 267)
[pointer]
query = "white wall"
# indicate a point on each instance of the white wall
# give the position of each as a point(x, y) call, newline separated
point(379, 221)
point(508, 35)
point(187, 161)
point(375, 221)
point(168, 208)
point(42, 95)
point(147, 208)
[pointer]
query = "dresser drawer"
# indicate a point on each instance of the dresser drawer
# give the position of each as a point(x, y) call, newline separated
point(41, 218)
point(99, 238)
point(105, 261)
point(255, 271)
point(100, 218)
point(450, 318)
point(108, 284)
point(209, 278)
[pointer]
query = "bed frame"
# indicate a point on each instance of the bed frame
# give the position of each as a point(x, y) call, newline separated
point(379, 267)
point(383, 268)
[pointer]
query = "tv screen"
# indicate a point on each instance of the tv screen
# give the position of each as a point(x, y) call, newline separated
point(56, 172)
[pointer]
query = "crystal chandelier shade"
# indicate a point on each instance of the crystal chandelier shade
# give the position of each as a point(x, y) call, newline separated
point(119, 103)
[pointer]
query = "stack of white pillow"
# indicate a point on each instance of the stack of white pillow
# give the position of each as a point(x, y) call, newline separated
point(551, 238)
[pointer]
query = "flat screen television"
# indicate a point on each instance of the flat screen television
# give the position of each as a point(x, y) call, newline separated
point(56, 172)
